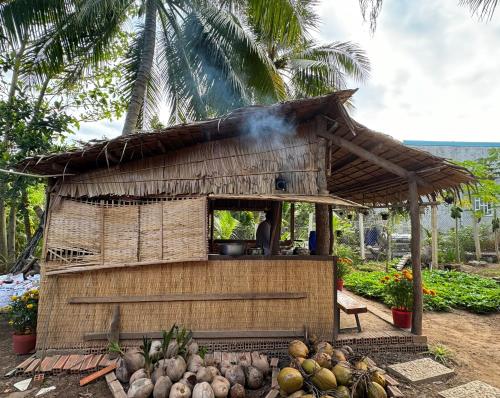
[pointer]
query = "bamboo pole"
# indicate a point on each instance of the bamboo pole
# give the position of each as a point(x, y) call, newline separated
point(336, 312)
point(416, 327)
point(361, 236)
point(434, 236)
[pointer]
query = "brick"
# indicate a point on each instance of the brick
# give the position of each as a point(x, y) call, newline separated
point(24, 364)
point(48, 363)
point(59, 365)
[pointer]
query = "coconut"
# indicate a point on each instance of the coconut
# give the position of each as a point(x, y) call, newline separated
point(254, 377)
point(189, 379)
point(343, 392)
point(213, 370)
point(204, 374)
point(220, 385)
point(375, 390)
point(237, 391)
point(134, 360)
point(162, 387)
point(297, 394)
point(195, 362)
point(157, 373)
point(235, 375)
point(361, 365)
point(172, 349)
point(324, 379)
point(290, 380)
point(192, 348)
point(379, 378)
point(122, 373)
point(140, 388)
point(338, 355)
point(323, 359)
point(203, 390)
point(310, 366)
point(155, 352)
point(260, 362)
point(140, 374)
point(297, 348)
point(180, 390)
point(343, 373)
point(325, 347)
point(175, 368)
point(347, 349)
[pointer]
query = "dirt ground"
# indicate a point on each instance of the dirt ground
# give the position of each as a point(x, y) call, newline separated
point(473, 340)
point(488, 270)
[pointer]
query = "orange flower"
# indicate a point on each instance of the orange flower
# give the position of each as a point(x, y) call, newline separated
point(387, 277)
point(409, 277)
point(433, 293)
point(397, 275)
point(382, 280)
point(426, 291)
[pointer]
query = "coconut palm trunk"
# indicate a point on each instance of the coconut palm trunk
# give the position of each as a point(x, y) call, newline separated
point(144, 71)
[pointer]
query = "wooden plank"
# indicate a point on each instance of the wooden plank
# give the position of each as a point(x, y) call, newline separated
point(96, 375)
point(390, 381)
point(274, 378)
point(110, 377)
point(274, 362)
point(274, 393)
point(349, 305)
point(48, 363)
point(59, 365)
point(212, 334)
point(393, 391)
point(188, 297)
point(117, 390)
point(33, 366)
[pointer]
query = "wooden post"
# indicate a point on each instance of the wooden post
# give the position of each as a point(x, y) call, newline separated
point(416, 327)
point(434, 236)
point(336, 312)
point(322, 230)
point(477, 242)
point(361, 227)
point(276, 228)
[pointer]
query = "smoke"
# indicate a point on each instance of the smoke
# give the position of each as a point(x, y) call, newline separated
point(266, 123)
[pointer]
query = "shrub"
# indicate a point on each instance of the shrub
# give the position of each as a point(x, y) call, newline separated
point(22, 312)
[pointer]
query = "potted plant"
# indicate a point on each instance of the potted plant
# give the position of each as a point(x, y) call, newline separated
point(343, 264)
point(22, 314)
point(399, 288)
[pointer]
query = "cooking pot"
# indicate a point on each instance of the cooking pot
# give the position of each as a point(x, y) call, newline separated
point(232, 249)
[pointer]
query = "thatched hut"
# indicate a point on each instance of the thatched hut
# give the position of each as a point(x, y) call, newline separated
point(130, 221)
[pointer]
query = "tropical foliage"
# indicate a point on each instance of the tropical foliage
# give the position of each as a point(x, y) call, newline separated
point(453, 290)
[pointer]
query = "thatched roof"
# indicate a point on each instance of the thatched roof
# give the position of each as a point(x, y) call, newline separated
point(351, 177)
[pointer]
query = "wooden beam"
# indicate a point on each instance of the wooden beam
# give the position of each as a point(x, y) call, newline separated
point(371, 157)
point(416, 327)
point(188, 297)
point(203, 334)
point(322, 230)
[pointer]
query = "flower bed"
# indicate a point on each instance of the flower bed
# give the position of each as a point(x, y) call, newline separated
point(454, 290)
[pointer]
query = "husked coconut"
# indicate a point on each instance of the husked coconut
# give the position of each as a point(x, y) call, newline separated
point(223, 367)
point(133, 360)
point(157, 373)
point(254, 377)
point(323, 359)
point(172, 349)
point(175, 368)
point(213, 370)
point(195, 362)
point(237, 391)
point(121, 372)
point(235, 375)
point(338, 355)
point(140, 388)
point(220, 385)
point(325, 347)
point(204, 374)
point(162, 387)
point(180, 390)
point(192, 348)
point(260, 362)
point(189, 379)
point(243, 360)
point(140, 374)
point(203, 390)
point(155, 351)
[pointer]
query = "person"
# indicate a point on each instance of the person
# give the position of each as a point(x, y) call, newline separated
point(263, 234)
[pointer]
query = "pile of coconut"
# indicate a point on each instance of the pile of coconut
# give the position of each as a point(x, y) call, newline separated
point(322, 371)
point(175, 367)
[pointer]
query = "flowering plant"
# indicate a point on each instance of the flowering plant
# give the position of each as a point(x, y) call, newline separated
point(343, 264)
point(399, 289)
point(22, 312)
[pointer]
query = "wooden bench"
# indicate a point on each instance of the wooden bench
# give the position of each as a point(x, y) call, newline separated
point(349, 306)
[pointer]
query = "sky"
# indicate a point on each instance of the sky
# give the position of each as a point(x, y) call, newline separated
point(435, 70)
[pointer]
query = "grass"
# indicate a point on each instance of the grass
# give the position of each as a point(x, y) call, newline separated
point(440, 353)
point(454, 290)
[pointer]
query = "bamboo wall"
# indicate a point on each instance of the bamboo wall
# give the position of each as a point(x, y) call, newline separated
point(62, 325)
point(242, 165)
point(95, 234)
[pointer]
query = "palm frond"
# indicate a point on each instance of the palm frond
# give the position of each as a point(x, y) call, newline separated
point(483, 8)
point(370, 10)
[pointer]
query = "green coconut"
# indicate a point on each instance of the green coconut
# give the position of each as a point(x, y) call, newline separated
point(324, 379)
point(375, 390)
point(379, 378)
point(361, 365)
point(297, 348)
point(343, 392)
point(343, 373)
point(297, 394)
point(310, 366)
point(338, 355)
point(290, 380)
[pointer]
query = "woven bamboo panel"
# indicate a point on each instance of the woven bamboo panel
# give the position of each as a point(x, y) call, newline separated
point(118, 233)
point(243, 165)
point(69, 322)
